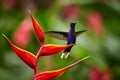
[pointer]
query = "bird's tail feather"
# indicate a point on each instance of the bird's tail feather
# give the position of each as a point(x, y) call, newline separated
point(64, 55)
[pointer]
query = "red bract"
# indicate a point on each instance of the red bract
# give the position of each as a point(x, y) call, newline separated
point(38, 29)
point(26, 56)
point(50, 75)
point(50, 49)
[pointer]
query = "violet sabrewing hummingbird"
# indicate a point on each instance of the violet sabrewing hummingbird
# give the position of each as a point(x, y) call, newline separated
point(70, 37)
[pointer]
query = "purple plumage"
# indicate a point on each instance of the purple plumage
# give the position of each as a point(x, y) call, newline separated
point(71, 40)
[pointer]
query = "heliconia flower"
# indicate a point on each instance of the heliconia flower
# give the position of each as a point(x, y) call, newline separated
point(24, 55)
point(99, 74)
point(37, 29)
point(29, 58)
point(94, 22)
point(23, 34)
point(50, 49)
point(51, 75)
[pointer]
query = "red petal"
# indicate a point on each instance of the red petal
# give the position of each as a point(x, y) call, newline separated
point(50, 49)
point(26, 56)
point(50, 75)
point(38, 30)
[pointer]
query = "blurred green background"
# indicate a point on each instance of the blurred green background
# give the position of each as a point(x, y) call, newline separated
point(101, 19)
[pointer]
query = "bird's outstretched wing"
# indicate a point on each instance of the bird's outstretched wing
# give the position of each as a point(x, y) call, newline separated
point(58, 35)
point(79, 32)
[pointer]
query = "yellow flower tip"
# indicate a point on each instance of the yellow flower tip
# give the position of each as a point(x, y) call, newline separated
point(5, 37)
point(29, 11)
point(85, 58)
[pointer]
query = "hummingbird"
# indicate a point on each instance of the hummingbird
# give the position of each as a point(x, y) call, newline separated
point(70, 37)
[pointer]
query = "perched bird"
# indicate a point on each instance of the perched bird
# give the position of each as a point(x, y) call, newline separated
point(70, 37)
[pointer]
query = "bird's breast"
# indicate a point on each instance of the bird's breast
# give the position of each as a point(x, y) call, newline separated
point(71, 38)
